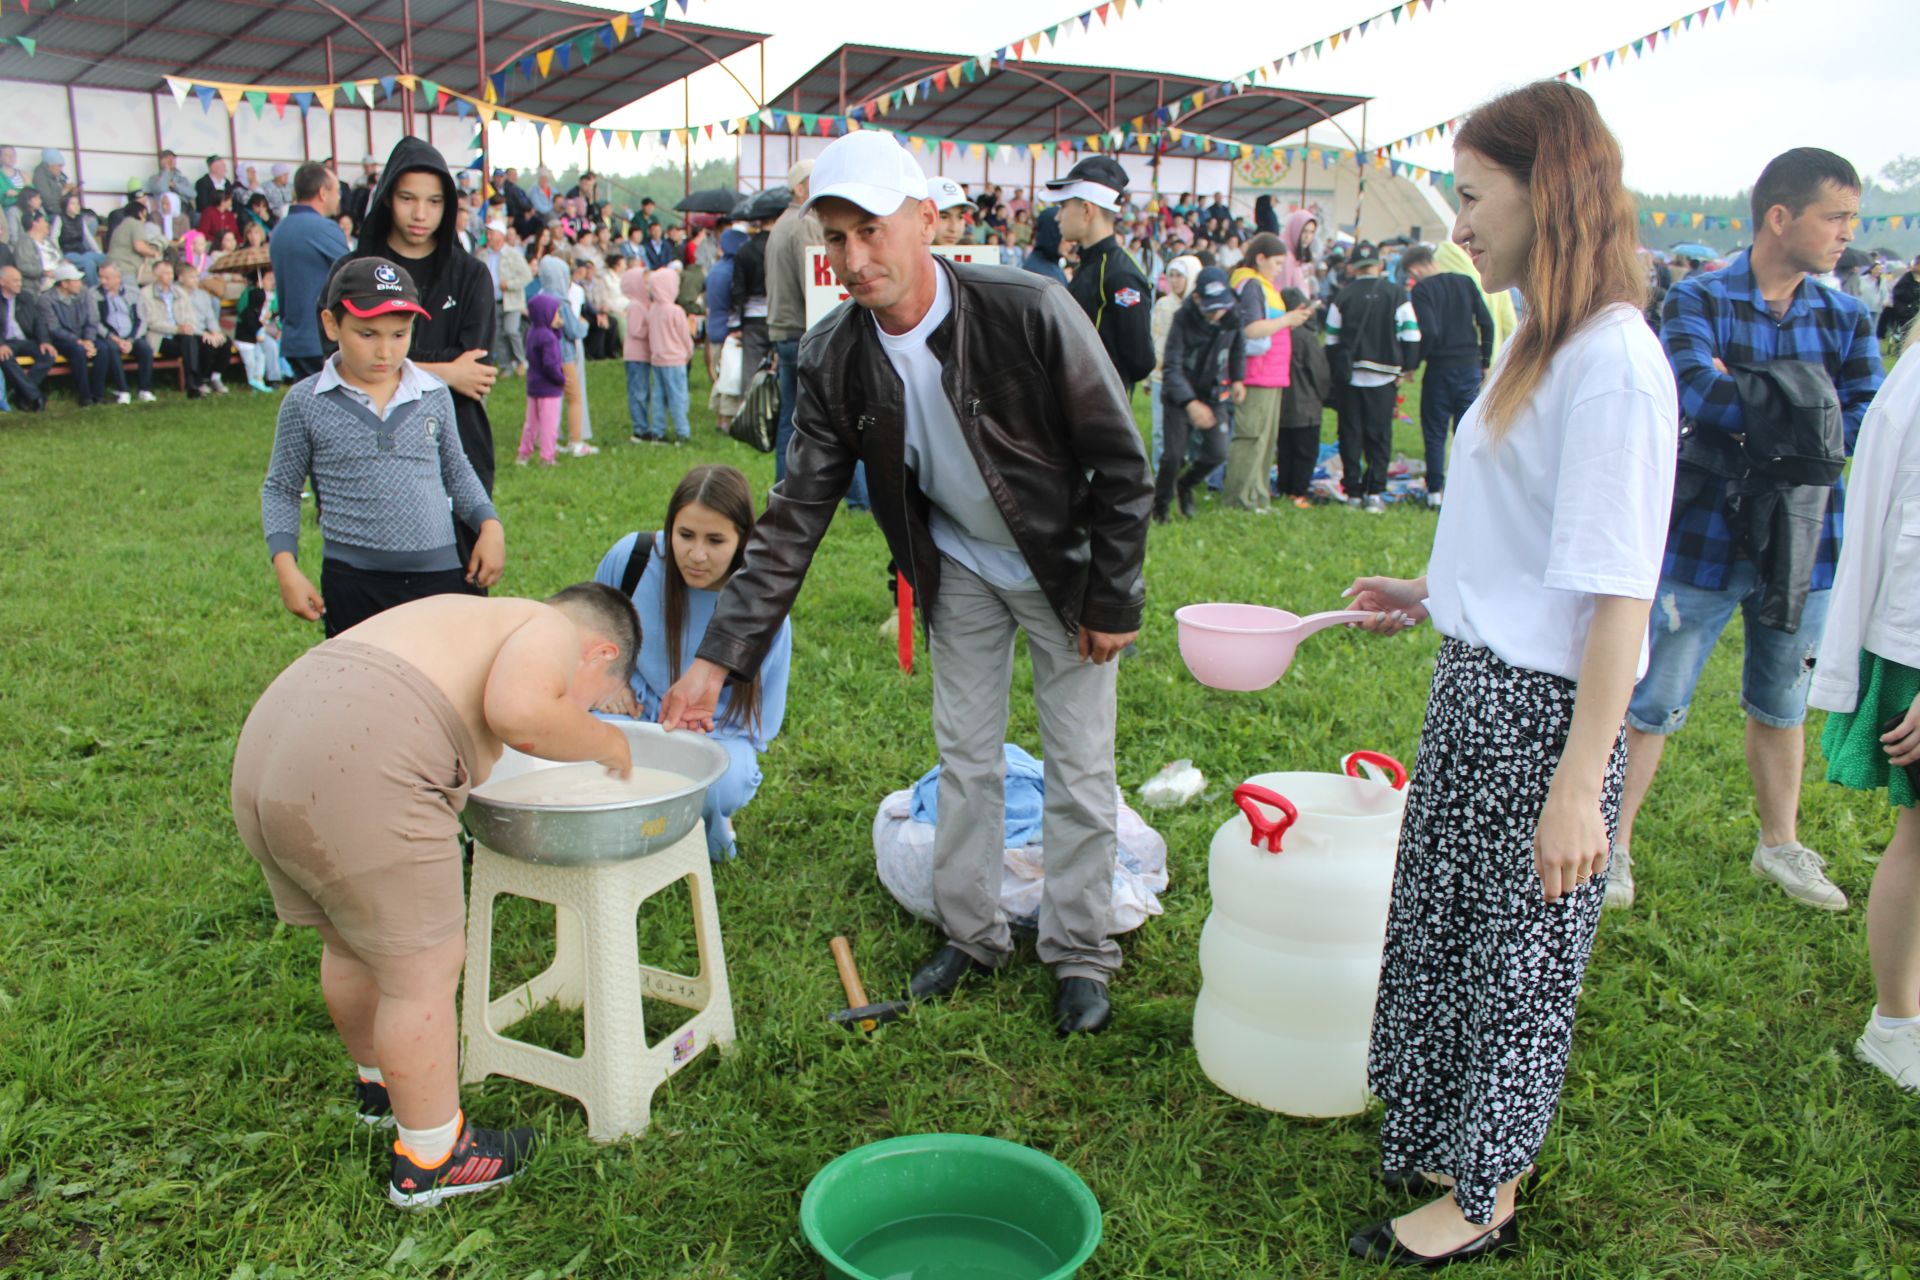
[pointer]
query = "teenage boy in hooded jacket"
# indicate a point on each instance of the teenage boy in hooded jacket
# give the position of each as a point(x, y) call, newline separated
point(406, 215)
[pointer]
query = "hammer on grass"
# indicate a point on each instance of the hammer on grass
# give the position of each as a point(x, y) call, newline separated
point(859, 1015)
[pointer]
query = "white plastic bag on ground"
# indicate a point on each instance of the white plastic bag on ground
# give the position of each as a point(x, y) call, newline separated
point(903, 855)
point(1173, 786)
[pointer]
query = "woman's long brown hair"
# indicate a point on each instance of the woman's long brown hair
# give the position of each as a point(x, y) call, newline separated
point(724, 490)
point(1550, 137)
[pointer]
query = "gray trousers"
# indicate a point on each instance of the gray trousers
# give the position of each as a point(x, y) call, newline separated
point(971, 639)
point(510, 347)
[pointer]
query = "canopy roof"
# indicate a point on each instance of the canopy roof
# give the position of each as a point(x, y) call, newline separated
point(136, 43)
point(1027, 101)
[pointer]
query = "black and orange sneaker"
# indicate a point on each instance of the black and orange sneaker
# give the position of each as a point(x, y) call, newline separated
point(374, 1109)
point(481, 1159)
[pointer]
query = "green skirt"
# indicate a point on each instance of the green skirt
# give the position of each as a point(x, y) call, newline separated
point(1856, 757)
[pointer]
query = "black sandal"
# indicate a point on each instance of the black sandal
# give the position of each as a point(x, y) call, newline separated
point(1378, 1243)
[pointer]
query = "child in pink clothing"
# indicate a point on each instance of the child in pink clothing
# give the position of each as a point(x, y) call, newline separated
point(546, 379)
point(670, 344)
point(638, 354)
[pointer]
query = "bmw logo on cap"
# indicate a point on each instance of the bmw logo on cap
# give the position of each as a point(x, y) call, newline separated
point(386, 277)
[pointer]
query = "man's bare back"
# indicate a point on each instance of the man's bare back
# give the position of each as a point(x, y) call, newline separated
point(456, 640)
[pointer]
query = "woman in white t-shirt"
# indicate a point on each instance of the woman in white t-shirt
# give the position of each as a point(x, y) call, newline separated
point(1541, 579)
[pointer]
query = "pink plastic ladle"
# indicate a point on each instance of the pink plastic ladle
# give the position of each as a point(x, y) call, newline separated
point(1244, 647)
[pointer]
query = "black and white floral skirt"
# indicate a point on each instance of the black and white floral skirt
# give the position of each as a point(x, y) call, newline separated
point(1479, 979)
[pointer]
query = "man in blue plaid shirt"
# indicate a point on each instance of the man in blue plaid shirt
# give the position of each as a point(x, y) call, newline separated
point(1761, 307)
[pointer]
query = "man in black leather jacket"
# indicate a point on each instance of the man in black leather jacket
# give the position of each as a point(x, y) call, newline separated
point(1007, 474)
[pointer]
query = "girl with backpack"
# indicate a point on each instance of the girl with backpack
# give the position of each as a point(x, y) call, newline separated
point(674, 578)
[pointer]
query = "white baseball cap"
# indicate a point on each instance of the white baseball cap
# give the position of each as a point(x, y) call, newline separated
point(947, 194)
point(870, 169)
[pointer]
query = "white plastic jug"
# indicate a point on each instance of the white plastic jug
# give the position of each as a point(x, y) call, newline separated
point(1290, 956)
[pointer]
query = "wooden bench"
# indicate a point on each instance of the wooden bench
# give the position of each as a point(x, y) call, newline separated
point(61, 369)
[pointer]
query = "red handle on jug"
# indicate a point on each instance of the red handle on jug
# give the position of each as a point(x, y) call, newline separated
point(1380, 759)
point(1265, 830)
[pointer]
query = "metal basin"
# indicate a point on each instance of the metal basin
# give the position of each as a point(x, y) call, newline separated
point(576, 835)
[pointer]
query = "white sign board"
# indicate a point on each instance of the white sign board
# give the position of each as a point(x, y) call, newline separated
point(823, 287)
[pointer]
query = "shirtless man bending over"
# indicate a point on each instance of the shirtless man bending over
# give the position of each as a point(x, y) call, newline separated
point(347, 786)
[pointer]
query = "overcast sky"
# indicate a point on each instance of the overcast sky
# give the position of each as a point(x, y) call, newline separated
point(1700, 116)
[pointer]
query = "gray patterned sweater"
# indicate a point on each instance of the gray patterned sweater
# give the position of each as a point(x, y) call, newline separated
point(387, 489)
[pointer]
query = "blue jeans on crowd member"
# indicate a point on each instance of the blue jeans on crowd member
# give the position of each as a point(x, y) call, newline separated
point(89, 264)
point(1445, 392)
point(1159, 423)
point(640, 401)
point(730, 795)
point(1687, 622)
point(788, 355)
point(670, 401)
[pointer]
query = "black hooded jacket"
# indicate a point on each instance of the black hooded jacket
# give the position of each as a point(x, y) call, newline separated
point(455, 288)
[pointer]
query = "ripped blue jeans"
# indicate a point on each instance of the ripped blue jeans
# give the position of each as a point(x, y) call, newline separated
point(1686, 624)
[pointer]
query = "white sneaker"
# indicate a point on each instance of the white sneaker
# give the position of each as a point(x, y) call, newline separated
point(218, 385)
point(1434, 500)
point(1895, 1052)
point(1375, 505)
point(1801, 872)
point(121, 397)
point(1619, 879)
point(147, 397)
point(584, 450)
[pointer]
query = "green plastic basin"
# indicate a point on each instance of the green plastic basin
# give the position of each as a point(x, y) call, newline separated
point(949, 1206)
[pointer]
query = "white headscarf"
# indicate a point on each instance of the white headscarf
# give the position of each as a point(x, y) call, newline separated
point(1188, 268)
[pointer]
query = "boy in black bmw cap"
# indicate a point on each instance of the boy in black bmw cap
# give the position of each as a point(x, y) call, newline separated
point(1109, 287)
point(378, 437)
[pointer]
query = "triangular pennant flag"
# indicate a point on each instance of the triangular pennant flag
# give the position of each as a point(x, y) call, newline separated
point(386, 86)
point(544, 60)
point(1363, 25)
point(496, 87)
point(573, 133)
point(349, 91)
point(528, 68)
point(1102, 11)
point(619, 25)
point(564, 54)
point(205, 94)
point(460, 108)
point(660, 11)
point(304, 100)
point(553, 129)
point(583, 49)
point(431, 92)
point(953, 75)
point(1334, 40)
point(231, 95)
point(279, 98)
point(181, 88)
point(324, 96)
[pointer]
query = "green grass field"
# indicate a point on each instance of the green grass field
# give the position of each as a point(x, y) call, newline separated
point(173, 1102)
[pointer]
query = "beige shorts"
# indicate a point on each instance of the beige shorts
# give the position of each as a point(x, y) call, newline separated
point(347, 786)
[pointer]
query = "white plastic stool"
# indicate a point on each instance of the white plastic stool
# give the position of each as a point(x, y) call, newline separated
point(595, 969)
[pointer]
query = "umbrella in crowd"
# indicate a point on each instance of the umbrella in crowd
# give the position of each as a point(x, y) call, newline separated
point(243, 261)
point(712, 200)
point(1700, 251)
point(768, 204)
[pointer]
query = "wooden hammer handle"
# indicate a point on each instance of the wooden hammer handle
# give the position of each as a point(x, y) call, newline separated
point(849, 975)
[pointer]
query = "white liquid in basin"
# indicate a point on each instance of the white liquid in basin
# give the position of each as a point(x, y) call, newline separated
point(582, 784)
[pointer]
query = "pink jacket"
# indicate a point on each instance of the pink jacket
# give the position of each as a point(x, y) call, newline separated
point(667, 332)
point(639, 348)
